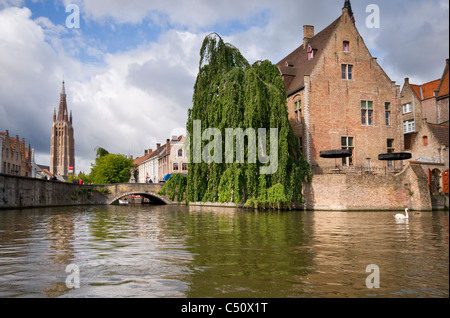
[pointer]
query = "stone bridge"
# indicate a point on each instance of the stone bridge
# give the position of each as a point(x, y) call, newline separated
point(112, 193)
point(19, 192)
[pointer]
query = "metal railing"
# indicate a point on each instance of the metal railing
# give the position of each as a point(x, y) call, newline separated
point(355, 170)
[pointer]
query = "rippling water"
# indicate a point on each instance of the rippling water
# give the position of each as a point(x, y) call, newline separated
point(162, 251)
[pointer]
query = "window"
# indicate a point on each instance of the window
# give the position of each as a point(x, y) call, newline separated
point(310, 53)
point(300, 141)
point(387, 107)
point(407, 108)
point(180, 153)
point(298, 111)
point(390, 149)
point(347, 72)
point(175, 166)
point(409, 126)
point(425, 141)
point(367, 113)
point(184, 166)
point(347, 143)
point(346, 46)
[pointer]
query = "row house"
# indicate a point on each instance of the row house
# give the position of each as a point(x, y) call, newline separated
point(157, 165)
point(16, 158)
point(339, 98)
point(425, 112)
point(426, 101)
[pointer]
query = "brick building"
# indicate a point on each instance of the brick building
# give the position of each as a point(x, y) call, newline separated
point(442, 103)
point(339, 97)
point(173, 158)
point(427, 101)
point(62, 151)
point(147, 165)
point(15, 158)
point(167, 159)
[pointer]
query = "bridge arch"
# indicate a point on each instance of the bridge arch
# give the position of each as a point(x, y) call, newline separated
point(152, 196)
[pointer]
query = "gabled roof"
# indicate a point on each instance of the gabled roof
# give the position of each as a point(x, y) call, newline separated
point(426, 90)
point(441, 132)
point(443, 85)
point(296, 65)
point(151, 155)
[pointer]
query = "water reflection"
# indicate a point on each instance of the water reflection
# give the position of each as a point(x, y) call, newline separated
point(140, 251)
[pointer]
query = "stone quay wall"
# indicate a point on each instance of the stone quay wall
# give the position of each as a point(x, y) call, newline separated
point(347, 192)
point(335, 192)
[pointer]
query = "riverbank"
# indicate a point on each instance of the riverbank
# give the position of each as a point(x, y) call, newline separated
point(325, 192)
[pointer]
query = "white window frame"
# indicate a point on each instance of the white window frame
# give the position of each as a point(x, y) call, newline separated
point(409, 126)
point(407, 108)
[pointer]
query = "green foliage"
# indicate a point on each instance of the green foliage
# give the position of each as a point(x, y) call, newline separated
point(230, 93)
point(111, 169)
point(175, 186)
point(101, 152)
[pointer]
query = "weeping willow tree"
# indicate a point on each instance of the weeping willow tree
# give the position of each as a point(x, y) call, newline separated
point(231, 93)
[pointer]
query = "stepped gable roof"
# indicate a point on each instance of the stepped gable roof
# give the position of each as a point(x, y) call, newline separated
point(296, 65)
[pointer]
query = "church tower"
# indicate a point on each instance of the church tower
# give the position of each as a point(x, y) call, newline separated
point(62, 150)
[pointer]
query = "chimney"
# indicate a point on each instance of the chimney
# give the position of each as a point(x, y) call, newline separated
point(174, 138)
point(158, 146)
point(146, 152)
point(168, 146)
point(308, 34)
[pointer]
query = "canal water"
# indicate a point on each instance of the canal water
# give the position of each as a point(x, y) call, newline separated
point(170, 251)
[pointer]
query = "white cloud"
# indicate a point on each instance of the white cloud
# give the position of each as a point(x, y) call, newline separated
point(138, 97)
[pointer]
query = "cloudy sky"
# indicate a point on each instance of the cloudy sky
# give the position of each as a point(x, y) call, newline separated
point(131, 65)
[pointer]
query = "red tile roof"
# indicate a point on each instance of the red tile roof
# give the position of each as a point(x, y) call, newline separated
point(443, 90)
point(426, 90)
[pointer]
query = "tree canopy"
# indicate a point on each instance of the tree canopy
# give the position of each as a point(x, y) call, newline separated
point(231, 93)
point(110, 168)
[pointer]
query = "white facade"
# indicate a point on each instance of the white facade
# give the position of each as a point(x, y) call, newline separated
point(148, 170)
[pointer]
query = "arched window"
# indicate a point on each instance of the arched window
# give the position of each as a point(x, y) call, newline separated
point(425, 141)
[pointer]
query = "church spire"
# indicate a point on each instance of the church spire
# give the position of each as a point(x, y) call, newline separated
point(62, 112)
point(348, 6)
point(63, 90)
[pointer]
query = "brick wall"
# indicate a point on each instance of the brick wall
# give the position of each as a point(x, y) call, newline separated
point(369, 192)
point(332, 106)
point(443, 109)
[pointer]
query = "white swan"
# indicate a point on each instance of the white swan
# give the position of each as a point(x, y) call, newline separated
point(401, 216)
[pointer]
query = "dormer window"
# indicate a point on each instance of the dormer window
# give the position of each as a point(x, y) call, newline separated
point(310, 53)
point(346, 46)
point(289, 64)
